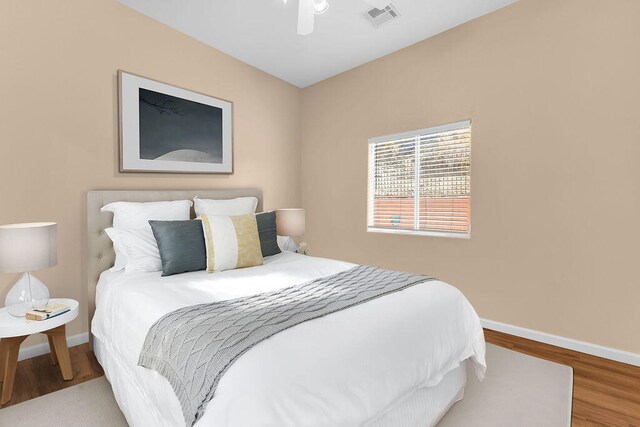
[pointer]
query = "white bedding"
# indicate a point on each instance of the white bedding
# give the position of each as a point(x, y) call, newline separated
point(348, 368)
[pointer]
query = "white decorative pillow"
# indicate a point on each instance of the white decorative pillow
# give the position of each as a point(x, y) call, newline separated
point(231, 242)
point(136, 216)
point(228, 207)
point(139, 248)
point(121, 257)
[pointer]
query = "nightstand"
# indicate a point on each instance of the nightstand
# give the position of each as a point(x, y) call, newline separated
point(14, 330)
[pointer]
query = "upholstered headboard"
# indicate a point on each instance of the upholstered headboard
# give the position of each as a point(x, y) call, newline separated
point(100, 253)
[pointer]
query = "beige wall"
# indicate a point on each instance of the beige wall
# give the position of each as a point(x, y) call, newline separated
point(553, 89)
point(58, 118)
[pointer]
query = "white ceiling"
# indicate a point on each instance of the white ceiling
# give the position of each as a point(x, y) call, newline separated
point(262, 33)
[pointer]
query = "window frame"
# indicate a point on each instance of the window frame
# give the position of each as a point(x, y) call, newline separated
point(371, 180)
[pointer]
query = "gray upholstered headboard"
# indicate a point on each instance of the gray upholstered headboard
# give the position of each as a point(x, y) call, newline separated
point(100, 254)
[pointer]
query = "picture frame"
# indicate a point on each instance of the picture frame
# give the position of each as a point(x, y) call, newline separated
point(168, 129)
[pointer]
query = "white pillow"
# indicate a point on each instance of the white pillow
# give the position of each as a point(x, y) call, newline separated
point(121, 257)
point(228, 207)
point(139, 248)
point(136, 216)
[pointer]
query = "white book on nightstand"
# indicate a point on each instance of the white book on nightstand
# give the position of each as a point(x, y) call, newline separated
point(51, 310)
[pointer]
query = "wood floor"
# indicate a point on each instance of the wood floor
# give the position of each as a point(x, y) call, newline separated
point(605, 393)
point(37, 376)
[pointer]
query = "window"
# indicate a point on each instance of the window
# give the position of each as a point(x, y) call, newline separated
point(420, 182)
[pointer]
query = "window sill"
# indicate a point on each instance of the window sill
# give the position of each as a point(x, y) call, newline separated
point(419, 233)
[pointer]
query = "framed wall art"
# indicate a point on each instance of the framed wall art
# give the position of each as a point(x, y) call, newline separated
point(164, 128)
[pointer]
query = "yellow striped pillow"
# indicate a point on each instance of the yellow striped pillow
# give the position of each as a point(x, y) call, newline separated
point(231, 242)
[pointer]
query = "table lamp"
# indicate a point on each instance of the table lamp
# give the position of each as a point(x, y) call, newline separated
point(291, 222)
point(25, 248)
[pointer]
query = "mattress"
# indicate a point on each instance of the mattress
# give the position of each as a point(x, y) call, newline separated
point(385, 362)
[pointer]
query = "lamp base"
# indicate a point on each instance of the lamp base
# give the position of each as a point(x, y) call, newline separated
point(27, 294)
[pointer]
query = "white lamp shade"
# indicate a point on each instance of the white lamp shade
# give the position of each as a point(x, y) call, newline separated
point(290, 222)
point(28, 247)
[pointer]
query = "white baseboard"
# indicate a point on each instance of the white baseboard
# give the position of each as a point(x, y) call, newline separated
point(43, 348)
point(568, 343)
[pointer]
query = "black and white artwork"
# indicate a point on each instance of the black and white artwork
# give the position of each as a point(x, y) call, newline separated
point(177, 129)
point(169, 129)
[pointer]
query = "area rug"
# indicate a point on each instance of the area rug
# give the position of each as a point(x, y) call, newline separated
point(519, 390)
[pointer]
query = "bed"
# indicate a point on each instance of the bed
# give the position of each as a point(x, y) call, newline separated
point(398, 360)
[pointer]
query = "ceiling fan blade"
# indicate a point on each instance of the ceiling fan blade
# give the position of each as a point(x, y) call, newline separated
point(284, 1)
point(379, 4)
point(305, 17)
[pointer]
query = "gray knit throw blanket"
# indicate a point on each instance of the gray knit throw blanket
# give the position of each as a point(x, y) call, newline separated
point(193, 347)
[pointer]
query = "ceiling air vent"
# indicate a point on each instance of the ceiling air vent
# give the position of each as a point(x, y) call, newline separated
point(379, 16)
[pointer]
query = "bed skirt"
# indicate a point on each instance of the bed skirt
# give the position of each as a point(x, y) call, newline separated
point(425, 406)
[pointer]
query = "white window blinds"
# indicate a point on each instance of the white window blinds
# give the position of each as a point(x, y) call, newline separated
point(420, 182)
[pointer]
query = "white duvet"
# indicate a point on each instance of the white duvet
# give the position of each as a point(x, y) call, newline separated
point(344, 369)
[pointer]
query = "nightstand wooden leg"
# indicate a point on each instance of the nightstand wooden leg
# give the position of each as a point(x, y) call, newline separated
point(59, 338)
point(3, 357)
point(54, 356)
point(10, 350)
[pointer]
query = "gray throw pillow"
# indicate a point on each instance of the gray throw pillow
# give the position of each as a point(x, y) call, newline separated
point(268, 234)
point(181, 245)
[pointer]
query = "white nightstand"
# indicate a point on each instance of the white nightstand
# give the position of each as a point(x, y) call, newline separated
point(14, 330)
